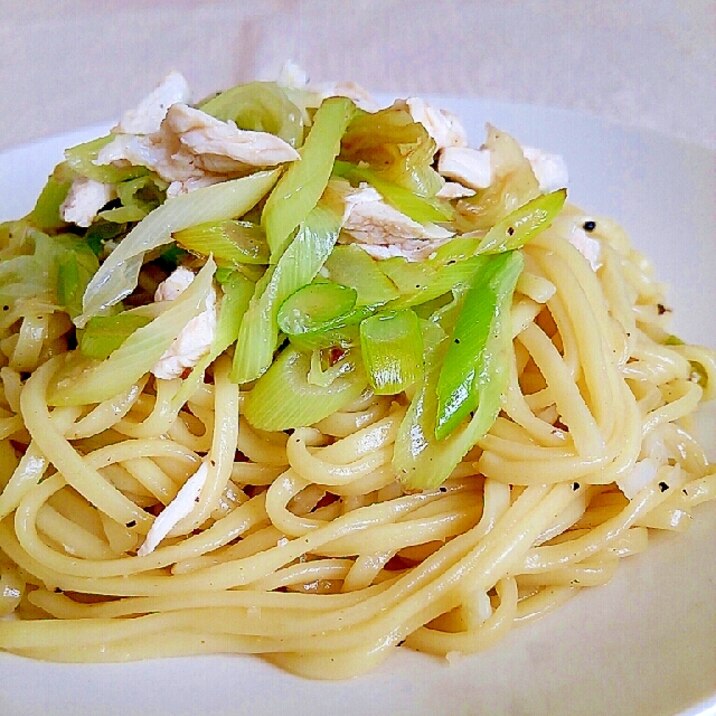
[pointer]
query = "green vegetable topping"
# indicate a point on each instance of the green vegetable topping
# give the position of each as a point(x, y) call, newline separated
point(395, 147)
point(298, 266)
point(523, 224)
point(481, 320)
point(392, 348)
point(231, 242)
point(300, 188)
point(311, 321)
point(260, 107)
point(104, 334)
point(284, 398)
point(75, 268)
point(421, 460)
point(315, 315)
point(46, 213)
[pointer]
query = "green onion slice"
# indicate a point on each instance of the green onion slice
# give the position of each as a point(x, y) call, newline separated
point(231, 242)
point(285, 398)
point(299, 189)
point(523, 224)
point(316, 307)
point(480, 322)
point(392, 349)
point(104, 334)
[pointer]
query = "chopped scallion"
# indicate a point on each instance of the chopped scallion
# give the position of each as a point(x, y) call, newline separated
point(392, 349)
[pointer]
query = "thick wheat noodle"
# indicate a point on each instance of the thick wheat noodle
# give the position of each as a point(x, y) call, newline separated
point(305, 548)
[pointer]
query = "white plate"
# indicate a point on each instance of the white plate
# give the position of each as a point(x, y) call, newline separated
point(644, 644)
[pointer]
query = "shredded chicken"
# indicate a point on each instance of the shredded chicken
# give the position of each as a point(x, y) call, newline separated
point(550, 169)
point(180, 507)
point(380, 229)
point(473, 168)
point(362, 98)
point(147, 116)
point(368, 219)
point(590, 248)
point(84, 200)
point(571, 225)
point(442, 125)
point(160, 152)
point(193, 149)
point(410, 249)
point(195, 339)
point(470, 167)
point(454, 190)
point(214, 141)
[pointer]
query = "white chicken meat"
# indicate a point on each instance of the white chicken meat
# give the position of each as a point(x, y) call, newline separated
point(195, 339)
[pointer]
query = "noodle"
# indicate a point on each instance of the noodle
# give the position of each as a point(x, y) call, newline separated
point(304, 547)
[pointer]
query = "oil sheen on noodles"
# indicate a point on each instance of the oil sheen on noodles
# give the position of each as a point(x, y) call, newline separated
point(328, 587)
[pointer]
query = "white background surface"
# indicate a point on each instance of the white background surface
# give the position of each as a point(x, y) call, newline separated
point(646, 63)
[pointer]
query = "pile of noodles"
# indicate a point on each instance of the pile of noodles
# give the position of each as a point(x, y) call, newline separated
point(303, 546)
point(310, 533)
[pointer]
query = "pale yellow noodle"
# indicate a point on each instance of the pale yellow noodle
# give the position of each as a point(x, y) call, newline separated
point(304, 547)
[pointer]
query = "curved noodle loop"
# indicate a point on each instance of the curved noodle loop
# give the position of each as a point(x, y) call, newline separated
point(311, 532)
point(161, 522)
